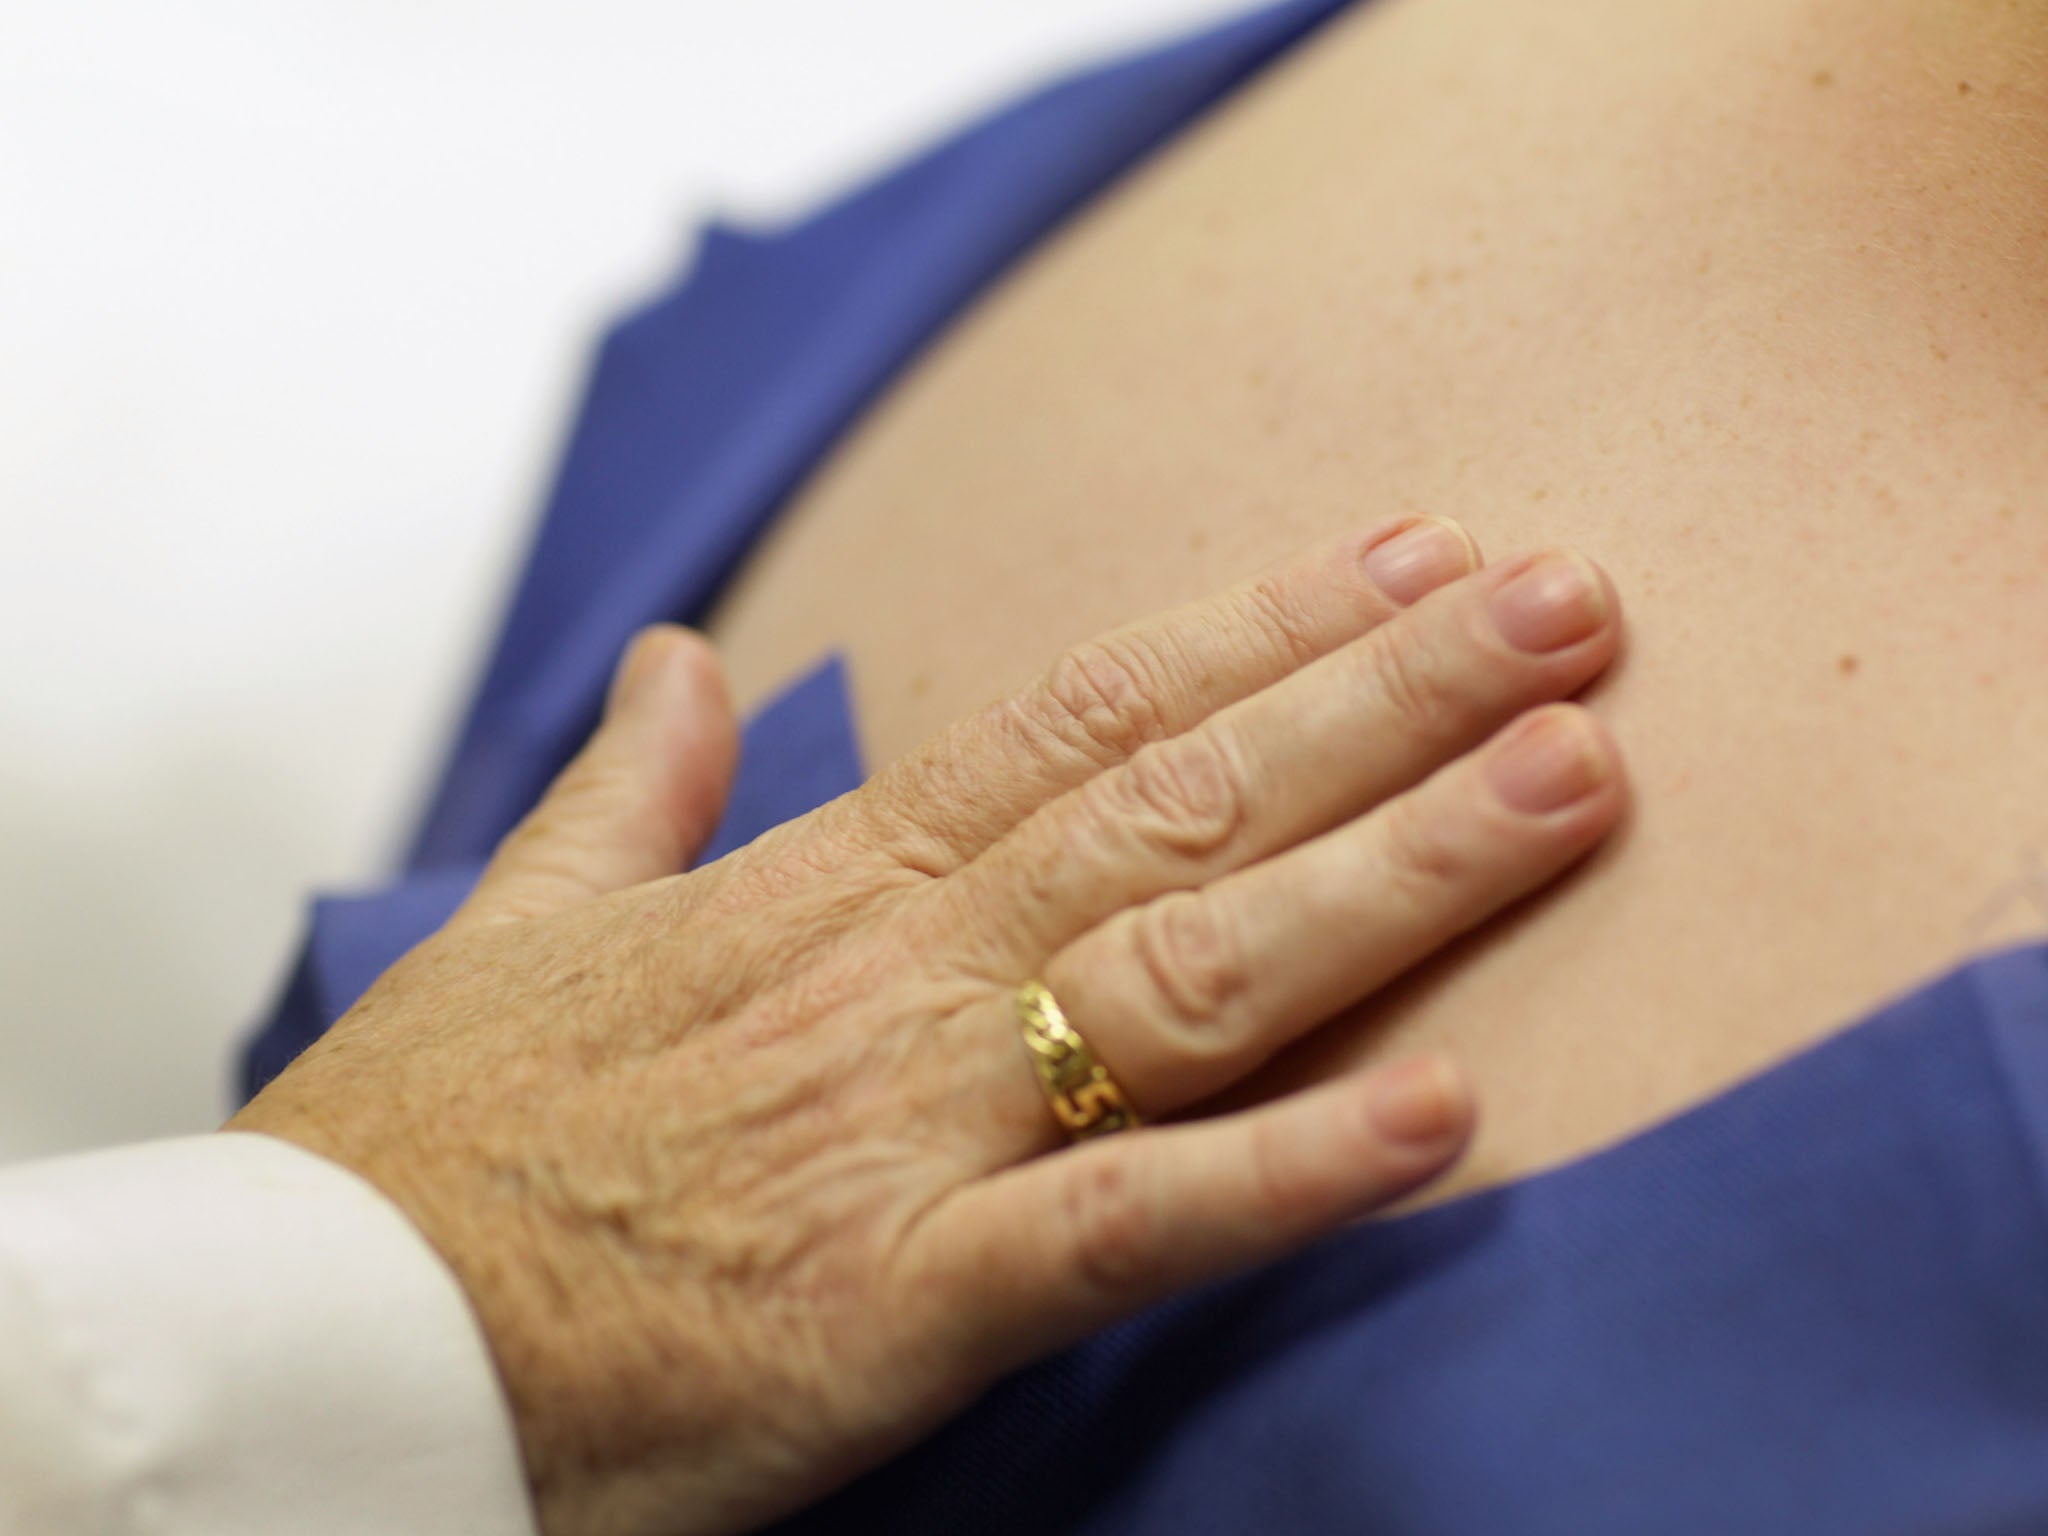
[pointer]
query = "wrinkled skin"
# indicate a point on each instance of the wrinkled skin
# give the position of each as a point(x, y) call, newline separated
point(744, 1171)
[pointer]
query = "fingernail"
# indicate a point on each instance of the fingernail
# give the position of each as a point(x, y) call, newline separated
point(1418, 1102)
point(1553, 602)
point(1418, 560)
point(1548, 762)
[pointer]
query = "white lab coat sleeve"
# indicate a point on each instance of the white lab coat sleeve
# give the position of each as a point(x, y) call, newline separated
point(225, 1334)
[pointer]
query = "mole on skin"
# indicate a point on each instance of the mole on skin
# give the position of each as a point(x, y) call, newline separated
point(1847, 666)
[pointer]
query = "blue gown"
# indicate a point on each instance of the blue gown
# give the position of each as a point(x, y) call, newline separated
point(1818, 1303)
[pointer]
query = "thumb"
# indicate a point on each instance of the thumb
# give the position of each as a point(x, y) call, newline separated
point(640, 800)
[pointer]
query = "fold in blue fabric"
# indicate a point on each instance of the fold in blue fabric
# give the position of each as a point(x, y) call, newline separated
point(1818, 1303)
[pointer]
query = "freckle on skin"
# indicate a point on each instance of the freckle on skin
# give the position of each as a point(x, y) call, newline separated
point(1823, 78)
point(1847, 665)
point(2005, 514)
point(920, 685)
point(1198, 540)
point(1962, 87)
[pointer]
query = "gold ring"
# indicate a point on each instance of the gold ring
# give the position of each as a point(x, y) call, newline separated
point(1083, 1095)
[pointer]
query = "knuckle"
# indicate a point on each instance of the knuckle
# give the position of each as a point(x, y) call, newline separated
point(1278, 610)
point(1116, 1232)
point(1186, 795)
point(1284, 1184)
point(1409, 676)
point(1099, 697)
point(1194, 965)
point(1423, 853)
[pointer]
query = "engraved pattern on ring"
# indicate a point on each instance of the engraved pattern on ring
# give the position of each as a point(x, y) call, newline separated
point(1084, 1097)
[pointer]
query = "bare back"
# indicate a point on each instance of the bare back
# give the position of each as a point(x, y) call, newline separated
point(1743, 297)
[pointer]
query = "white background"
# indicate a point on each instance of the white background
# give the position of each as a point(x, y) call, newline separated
point(294, 299)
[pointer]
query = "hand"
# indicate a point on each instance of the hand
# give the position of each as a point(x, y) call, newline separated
point(744, 1170)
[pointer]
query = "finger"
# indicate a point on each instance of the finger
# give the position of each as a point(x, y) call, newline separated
point(1314, 750)
point(1186, 995)
point(1189, 993)
point(1021, 1263)
point(1106, 698)
point(641, 799)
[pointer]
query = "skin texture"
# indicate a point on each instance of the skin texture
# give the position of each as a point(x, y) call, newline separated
point(1741, 296)
point(743, 1169)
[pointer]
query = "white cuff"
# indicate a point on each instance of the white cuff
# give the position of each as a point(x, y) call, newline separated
point(225, 1334)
